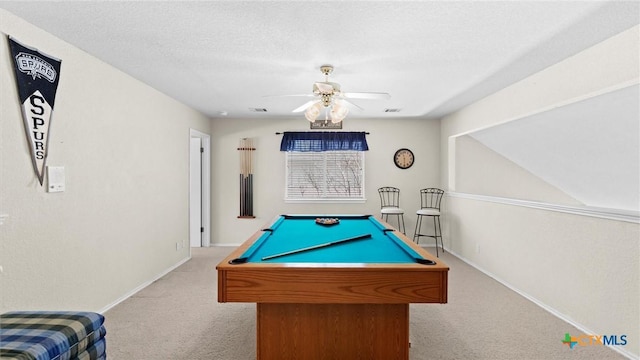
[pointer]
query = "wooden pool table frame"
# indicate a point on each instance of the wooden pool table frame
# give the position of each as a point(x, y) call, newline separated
point(332, 310)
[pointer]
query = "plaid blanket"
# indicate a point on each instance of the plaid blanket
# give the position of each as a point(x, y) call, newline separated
point(50, 335)
point(96, 351)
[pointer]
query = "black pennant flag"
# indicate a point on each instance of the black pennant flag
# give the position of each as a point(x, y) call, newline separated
point(37, 76)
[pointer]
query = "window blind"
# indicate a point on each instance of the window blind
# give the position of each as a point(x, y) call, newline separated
point(325, 175)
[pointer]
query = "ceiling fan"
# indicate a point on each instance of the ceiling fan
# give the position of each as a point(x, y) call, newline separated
point(328, 95)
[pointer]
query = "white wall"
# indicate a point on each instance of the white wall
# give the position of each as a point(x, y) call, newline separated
point(584, 269)
point(589, 149)
point(386, 136)
point(480, 170)
point(124, 147)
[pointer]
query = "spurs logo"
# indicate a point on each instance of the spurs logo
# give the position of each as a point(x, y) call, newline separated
point(35, 67)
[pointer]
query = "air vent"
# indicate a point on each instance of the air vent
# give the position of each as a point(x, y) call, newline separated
point(257, 109)
point(391, 110)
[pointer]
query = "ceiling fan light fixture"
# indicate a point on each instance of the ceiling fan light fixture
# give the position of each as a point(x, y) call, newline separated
point(326, 99)
point(329, 97)
point(313, 111)
point(338, 111)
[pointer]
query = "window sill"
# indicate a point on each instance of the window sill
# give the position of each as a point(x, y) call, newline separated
point(325, 201)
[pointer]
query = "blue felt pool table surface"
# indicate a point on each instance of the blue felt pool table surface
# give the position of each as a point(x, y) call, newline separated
point(293, 232)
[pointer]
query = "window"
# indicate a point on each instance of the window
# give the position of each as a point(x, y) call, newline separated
point(328, 175)
point(324, 166)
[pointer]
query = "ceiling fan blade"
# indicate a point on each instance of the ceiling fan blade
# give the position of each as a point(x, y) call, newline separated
point(291, 95)
point(366, 95)
point(305, 105)
point(352, 105)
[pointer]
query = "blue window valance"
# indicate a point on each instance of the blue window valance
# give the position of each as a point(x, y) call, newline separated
point(323, 141)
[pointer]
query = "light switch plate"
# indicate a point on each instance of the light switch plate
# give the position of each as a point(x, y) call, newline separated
point(55, 176)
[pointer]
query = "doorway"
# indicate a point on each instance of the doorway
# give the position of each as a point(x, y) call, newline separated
point(199, 189)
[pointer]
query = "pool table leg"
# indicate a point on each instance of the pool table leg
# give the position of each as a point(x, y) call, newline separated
point(332, 331)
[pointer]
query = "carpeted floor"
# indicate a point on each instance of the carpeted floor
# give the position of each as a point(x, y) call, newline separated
point(178, 318)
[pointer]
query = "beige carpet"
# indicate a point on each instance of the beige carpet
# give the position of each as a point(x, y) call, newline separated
point(178, 318)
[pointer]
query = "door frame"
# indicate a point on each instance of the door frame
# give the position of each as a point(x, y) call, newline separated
point(205, 140)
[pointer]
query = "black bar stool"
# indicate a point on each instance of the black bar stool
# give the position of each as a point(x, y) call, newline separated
point(390, 205)
point(430, 199)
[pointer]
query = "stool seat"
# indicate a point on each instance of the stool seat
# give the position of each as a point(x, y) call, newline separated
point(392, 210)
point(428, 212)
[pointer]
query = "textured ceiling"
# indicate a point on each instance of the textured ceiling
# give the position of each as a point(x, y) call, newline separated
point(223, 57)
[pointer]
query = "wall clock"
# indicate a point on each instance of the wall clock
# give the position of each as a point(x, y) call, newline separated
point(403, 158)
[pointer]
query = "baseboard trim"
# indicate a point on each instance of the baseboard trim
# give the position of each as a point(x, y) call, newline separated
point(143, 285)
point(541, 304)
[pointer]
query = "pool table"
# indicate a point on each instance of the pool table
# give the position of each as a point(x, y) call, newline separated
point(331, 290)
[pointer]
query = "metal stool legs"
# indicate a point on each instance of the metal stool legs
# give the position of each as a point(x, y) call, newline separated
point(436, 228)
point(399, 218)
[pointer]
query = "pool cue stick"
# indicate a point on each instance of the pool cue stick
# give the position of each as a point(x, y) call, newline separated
point(242, 179)
point(241, 188)
point(250, 176)
point(245, 200)
point(248, 180)
point(327, 244)
point(244, 175)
